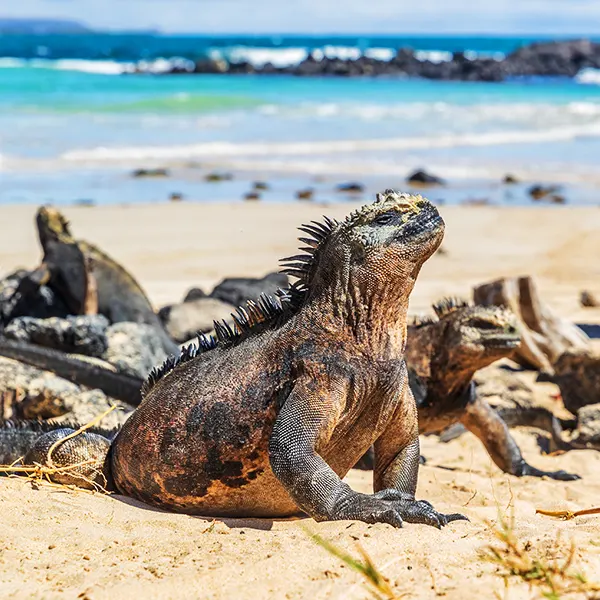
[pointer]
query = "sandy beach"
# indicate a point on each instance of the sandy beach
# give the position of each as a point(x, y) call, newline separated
point(58, 543)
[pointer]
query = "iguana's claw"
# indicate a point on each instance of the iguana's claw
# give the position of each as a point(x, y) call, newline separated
point(527, 469)
point(394, 507)
point(563, 476)
point(421, 511)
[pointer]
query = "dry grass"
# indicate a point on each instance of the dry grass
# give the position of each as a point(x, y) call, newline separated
point(375, 581)
point(553, 579)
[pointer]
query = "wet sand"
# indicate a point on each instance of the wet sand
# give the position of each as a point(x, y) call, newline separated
point(64, 544)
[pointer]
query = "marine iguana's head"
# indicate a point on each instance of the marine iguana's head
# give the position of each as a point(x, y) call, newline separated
point(67, 268)
point(397, 233)
point(52, 225)
point(374, 255)
point(476, 336)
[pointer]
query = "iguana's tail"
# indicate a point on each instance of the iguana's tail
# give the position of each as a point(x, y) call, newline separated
point(57, 452)
point(78, 370)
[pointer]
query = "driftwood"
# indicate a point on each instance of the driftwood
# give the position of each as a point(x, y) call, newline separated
point(577, 374)
point(545, 335)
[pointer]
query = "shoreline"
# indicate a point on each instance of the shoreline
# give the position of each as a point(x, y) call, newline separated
point(188, 182)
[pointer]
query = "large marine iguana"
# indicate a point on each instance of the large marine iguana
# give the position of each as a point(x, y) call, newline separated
point(84, 275)
point(266, 419)
point(443, 355)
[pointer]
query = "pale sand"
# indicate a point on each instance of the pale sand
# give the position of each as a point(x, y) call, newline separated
point(59, 544)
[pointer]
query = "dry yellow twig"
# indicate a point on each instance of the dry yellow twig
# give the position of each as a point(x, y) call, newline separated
point(567, 515)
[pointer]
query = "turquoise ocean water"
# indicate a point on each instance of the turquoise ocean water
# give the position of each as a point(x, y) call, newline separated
point(73, 126)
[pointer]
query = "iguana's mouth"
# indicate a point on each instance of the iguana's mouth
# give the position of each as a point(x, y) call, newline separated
point(502, 341)
point(427, 221)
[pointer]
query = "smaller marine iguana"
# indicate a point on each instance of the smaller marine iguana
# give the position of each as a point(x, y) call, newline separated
point(267, 419)
point(88, 279)
point(443, 355)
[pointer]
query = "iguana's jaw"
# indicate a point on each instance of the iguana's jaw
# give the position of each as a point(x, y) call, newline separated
point(501, 341)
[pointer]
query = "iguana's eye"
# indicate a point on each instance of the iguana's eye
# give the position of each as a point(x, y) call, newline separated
point(482, 324)
point(385, 219)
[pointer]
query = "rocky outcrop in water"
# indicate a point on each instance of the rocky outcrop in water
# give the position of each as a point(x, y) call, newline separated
point(547, 59)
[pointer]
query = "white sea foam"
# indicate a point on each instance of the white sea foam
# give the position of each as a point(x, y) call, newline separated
point(104, 67)
point(589, 76)
point(380, 53)
point(280, 57)
point(435, 56)
point(229, 149)
point(7, 62)
point(530, 115)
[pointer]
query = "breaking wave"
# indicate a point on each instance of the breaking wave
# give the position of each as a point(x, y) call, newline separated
point(228, 149)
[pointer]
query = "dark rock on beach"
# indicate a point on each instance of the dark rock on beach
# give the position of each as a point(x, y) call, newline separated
point(187, 319)
point(19, 298)
point(541, 192)
point(423, 178)
point(306, 194)
point(217, 177)
point(134, 348)
point(79, 335)
point(351, 188)
point(588, 299)
point(31, 393)
point(236, 290)
point(150, 173)
point(194, 294)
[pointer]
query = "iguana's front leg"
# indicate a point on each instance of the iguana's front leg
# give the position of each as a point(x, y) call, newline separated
point(397, 459)
point(484, 422)
point(305, 423)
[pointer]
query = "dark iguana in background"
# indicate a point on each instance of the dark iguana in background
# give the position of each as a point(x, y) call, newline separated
point(267, 419)
point(443, 355)
point(87, 279)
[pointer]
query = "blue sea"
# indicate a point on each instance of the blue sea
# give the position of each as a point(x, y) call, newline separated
point(75, 123)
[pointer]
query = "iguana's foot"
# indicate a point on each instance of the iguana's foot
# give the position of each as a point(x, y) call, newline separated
point(527, 469)
point(394, 507)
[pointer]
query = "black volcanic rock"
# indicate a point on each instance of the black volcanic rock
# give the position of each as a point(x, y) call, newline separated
point(565, 58)
point(211, 66)
point(421, 177)
point(559, 58)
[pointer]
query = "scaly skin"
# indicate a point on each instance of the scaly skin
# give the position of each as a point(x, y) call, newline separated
point(88, 279)
point(268, 422)
point(445, 354)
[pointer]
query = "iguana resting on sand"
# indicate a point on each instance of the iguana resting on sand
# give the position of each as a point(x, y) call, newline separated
point(88, 279)
point(442, 356)
point(267, 419)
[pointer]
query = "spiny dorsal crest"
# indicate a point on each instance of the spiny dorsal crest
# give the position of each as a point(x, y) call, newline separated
point(447, 306)
point(267, 311)
point(300, 265)
point(422, 321)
